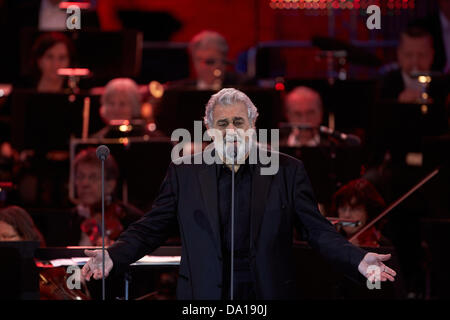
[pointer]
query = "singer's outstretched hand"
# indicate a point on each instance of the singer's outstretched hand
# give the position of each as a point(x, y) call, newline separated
point(94, 265)
point(373, 261)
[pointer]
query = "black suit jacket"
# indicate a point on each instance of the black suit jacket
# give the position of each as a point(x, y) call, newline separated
point(188, 196)
point(392, 85)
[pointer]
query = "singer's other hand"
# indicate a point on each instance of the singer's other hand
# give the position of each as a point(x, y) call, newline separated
point(373, 260)
point(94, 265)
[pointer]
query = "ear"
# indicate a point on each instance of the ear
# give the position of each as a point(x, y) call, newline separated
point(102, 111)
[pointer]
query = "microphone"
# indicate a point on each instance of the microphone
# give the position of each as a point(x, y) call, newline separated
point(349, 138)
point(103, 153)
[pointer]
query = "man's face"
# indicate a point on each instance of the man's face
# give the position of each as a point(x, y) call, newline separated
point(209, 64)
point(415, 54)
point(54, 58)
point(88, 184)
point(117, 106)
point(304, 110)
point(233, 120)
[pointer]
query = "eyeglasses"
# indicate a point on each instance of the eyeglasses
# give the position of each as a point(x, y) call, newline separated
point(210, 61)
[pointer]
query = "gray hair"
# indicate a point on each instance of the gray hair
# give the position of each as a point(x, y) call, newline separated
point(207, 39)
point(127, 87)
point(227, 97)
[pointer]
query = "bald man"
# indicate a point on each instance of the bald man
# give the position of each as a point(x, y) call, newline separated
point(303, 107)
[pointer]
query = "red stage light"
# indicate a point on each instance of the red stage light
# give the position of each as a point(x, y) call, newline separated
point(279, 86)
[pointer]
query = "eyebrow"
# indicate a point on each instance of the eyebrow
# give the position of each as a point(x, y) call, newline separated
point(234, 119)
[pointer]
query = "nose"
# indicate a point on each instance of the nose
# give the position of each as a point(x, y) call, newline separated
point(346, 213)
point(231, 128)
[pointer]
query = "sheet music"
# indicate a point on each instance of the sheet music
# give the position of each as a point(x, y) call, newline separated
point(146, 260)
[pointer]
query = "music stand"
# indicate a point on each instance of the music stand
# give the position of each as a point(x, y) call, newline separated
point(20, 279)
point(142, 163)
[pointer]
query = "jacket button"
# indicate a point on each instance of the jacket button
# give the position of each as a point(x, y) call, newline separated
point(219, 285)
point(219, 257)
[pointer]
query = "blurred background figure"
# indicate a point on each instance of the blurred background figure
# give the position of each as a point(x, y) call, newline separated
point(359, 200)
point(121, 111)
point(415, 54)
point(121, 101)
point(17, 225)
point(303, 109)
point(86, 217)
point(209, 55)
point(209, 52)
point(51, 52)
point(438, 24)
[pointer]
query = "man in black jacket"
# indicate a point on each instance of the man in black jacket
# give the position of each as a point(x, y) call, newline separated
point(415, 54)
point(267, 206)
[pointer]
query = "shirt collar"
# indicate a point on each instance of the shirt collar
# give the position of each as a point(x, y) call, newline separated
point(245, 165)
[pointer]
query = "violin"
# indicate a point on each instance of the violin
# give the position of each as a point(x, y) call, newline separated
point(370, 238)
point(53, 286)
point(92, 227)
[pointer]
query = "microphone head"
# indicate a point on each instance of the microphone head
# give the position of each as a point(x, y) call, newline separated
point(231, 152)
point(102, 152)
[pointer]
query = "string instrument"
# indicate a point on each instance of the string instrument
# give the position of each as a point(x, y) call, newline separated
point(370, 238)
point(53, 281)
point(92, 227)
point(53, 285)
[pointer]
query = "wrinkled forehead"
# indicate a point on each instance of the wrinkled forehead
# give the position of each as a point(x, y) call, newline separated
point(303, 103)
point(120, 95)
point(236, 110)
point(206, 52)
point(87, 168)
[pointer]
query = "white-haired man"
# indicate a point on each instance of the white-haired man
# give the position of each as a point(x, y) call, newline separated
point(121, 104)
point(197, 198)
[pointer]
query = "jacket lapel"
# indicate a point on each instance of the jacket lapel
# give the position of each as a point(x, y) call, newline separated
point(208, 184)
point(260, 190)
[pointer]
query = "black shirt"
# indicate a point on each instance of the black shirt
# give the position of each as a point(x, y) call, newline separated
point(243, 282)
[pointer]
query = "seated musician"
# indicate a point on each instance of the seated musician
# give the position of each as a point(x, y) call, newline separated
point(208, 51)
point(303, 107)
point(17, 225)
point(86, 220)
point(359, 200)
point(303, 110)
point(51, 51)
point(415, 54)
point(121, 104)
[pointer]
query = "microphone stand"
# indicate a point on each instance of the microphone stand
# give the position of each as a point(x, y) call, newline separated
point(232, 231)
point(102, 153)
point(103, 230)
